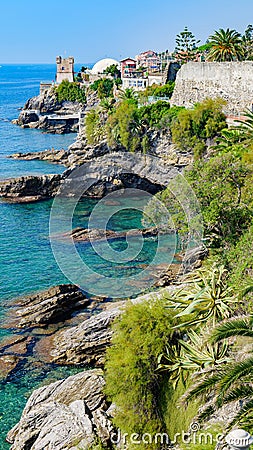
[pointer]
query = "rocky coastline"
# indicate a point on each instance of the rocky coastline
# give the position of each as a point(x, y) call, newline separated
point(105, 165)
point(59, 326)
point(51, 155)
point(68, 414)
point(44, 112)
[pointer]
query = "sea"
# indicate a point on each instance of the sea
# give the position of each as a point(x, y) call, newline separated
point(27, 263)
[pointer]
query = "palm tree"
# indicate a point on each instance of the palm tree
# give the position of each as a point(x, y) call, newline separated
point(226, 45)
point(128, 94)
point(230, 382)
point(247, 43)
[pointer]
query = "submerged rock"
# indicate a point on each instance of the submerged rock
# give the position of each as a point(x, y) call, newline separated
point(80, 234)
point(7, 364)
point(70, 413)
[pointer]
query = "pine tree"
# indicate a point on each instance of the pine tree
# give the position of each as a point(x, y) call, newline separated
point(186, 46)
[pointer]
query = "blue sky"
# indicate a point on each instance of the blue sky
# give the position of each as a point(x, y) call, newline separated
point(34, 31)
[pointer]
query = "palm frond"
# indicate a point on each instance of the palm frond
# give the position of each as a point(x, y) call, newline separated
point(245, 415)
point(204, 386)
point(233, 327)
point(239, 393)
point(235, 372)
point(206, 413)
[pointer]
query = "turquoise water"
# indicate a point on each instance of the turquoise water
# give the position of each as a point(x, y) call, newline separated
point(17, 84)
point(27, 263)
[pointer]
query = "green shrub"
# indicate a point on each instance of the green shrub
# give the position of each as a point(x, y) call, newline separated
point(159, 114)
point(193, 127)
point(132, 381)
point(157, 91)
point(222, 186)
point(103, 87)
point(145, 399)
point(164, 91)
point(178, 417)
point(145, 144)
point(67, 91)
point(123, 126)
point(94, 130)
point(240, 260)
point(152, 114)
point(205, 439)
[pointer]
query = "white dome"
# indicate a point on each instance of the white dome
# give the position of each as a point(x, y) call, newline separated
point(101, 65)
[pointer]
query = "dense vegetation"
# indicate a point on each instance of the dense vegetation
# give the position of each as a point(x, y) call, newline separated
point(145, 398)
point(193, 127)
point(177, 349)
point(124, 123)
point(157, 91)
point(179, 346)
point(103, 87)
point(72, 92)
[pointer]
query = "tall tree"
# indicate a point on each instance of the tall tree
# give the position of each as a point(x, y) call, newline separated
point(226, 45)
point(186, 45)
point(247, 43)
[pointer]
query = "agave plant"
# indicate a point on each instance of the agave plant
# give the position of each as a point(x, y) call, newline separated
point(193, 353)
point(204, 296)
point(233, 381)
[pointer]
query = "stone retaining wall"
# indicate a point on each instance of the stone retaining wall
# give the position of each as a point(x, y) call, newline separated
point(232, 81)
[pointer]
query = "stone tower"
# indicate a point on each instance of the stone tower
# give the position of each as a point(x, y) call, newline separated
point(65, 69)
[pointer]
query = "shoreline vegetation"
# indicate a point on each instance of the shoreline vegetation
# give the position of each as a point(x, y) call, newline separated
point(180, 355)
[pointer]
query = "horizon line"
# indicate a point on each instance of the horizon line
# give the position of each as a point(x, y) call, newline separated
point(40, 63)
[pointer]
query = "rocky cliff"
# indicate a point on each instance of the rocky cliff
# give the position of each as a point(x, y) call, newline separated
point(46, 113)
point(79, 152)
point(150, 172)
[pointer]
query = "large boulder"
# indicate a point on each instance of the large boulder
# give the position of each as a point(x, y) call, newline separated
point(67, 414)
point(193, 257)
point(38, 112)
point(26, 117)
point(45, 102)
